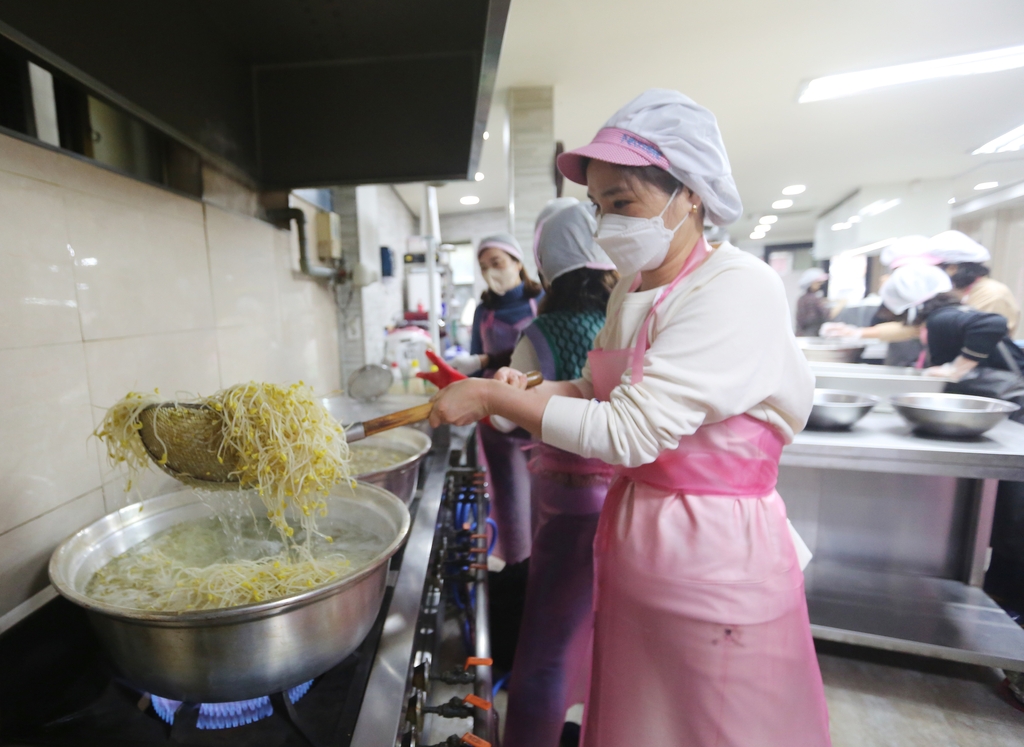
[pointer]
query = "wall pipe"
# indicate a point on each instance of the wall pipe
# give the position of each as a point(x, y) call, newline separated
point(287, 215)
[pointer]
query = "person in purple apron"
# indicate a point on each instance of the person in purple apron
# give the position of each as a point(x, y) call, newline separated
point(506, 308)
point(566, 491)
point(701, 633)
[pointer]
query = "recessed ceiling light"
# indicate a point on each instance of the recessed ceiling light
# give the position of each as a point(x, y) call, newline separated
point(1012, 140)
point(853, 219)
point(470, 200)
point(840, 226)
point(757, 235)
point(479, 176)
point(794, 189)
point(847, 84)
point(782, 204)
point(486, 134)
point(951, 201)
point(763, 228)
point(986, 185)
point(767, 220)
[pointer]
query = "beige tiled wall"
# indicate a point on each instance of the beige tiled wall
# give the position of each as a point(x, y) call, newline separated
point(106, 285)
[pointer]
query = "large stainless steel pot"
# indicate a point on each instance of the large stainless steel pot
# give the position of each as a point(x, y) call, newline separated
point(237, 652)
point(399, 478)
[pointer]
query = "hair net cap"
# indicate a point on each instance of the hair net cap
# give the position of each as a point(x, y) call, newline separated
point(911, 285)
point(954, 247)
point(666, 129)
point(504, 241)
point(812, 276)
point(567, 243)
point(907, 249)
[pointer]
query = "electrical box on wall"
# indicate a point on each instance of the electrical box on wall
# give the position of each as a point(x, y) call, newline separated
point(328, 236)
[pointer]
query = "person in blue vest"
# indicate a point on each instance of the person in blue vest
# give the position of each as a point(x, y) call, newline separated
point(507, 307)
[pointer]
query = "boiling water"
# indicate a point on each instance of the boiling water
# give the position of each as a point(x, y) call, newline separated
point(367, 458)
point(230, 559)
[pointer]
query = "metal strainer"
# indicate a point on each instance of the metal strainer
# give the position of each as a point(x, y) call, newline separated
point(369, 382)
point(185, 439)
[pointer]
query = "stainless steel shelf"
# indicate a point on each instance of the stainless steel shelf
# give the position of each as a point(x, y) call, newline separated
point(934, 617)
point(883, 442)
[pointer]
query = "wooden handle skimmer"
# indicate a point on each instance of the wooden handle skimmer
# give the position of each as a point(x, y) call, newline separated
point(184, 439)
point(359, 431)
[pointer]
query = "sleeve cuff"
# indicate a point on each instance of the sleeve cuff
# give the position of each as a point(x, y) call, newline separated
point(562, 423)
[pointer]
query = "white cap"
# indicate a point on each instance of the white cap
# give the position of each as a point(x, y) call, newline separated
point(953, 247)
point(567, 243)
point(504, 241)
point(812, 276)
point(907, 249)
point(911, 285)
point(664, 128)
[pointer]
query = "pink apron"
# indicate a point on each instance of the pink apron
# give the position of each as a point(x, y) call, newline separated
point(503, 454)
point(701, 635)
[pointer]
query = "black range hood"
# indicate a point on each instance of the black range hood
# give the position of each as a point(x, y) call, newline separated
point(296, 93)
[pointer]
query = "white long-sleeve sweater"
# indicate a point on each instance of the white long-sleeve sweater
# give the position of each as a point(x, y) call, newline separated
point(721, 344)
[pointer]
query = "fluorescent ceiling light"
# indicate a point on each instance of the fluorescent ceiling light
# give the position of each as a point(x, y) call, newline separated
point(479, 176)
point(767, 220)
point(878, 206)
point(486, 134)
point(868, 248)
point(782, 204)
point(470, 200)
point(840, 226)
point(853, 219)
point(794, 189)
point(951, 201)
point(847, 84)
point(1012, 140)
point(986, 185)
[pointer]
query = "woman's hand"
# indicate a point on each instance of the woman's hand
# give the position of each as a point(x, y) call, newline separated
point(511, 377)
point(461, 403)
point(954, 370)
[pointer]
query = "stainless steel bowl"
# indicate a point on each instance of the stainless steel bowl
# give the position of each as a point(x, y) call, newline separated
point(400, 478)
point(237, 652)
point(834, 409)
point(830, 350)
point(952, 415)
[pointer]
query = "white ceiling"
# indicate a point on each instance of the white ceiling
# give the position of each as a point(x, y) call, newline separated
point(746, 60)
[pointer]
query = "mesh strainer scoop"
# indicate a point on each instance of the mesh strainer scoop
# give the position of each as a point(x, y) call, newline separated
point(185, 439)
point(369, 382)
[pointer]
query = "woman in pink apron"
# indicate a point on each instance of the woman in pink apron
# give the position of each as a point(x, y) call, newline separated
point(566, 491)
point(507, 307)
point(701, 635)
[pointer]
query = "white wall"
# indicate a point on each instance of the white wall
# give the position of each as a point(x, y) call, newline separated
point(107, 285)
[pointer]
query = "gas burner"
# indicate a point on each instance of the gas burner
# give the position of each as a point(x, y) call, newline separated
point(227, 715)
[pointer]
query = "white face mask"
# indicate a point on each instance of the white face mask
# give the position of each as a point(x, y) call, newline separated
point(502, 280)
point(636, 244)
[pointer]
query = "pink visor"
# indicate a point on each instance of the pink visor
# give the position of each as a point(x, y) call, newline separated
point(611, 145)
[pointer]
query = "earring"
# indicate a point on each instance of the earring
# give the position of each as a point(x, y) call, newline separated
point(694, 208)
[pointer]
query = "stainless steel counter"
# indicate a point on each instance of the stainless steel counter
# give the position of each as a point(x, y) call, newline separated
point(900, 525)
point(883, 442)
point(381, 712)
